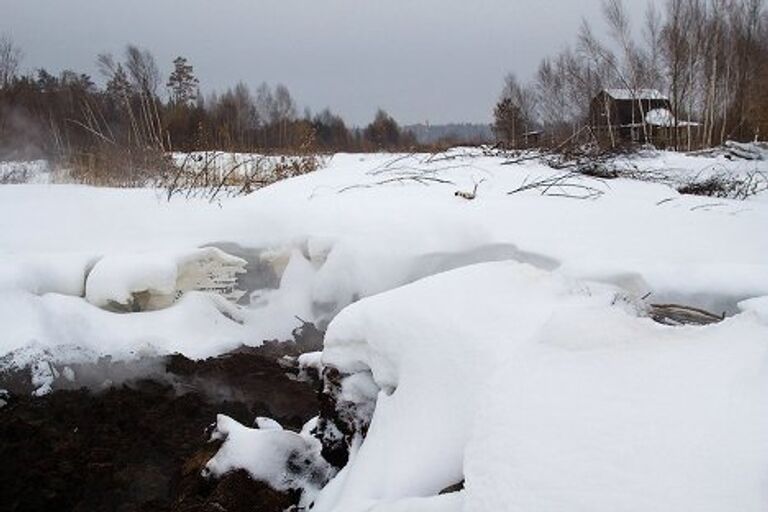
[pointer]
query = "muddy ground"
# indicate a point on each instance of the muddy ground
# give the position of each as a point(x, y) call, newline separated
point(140, 445)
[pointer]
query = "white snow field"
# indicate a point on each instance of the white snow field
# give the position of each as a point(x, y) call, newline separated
point(503, 340)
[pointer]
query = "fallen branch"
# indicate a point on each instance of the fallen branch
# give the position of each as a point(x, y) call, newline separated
point(558, 186)
point(676, 314)
point(422, 180)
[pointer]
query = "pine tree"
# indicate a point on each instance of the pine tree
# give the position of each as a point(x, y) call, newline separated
point(182, 83)
point(509, 123)
point(118, 86)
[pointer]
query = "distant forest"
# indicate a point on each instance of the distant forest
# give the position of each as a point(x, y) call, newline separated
point(58, 116)
point(710, 57)
point(68, 115)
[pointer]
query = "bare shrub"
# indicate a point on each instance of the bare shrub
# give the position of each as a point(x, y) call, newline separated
point(113, 166)
point(208, 175)
point(726, 185)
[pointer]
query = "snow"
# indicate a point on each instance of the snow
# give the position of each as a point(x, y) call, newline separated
point(38, 273)
point(500, 340)
point(545, 393)
point(660, 117)
point(42, 331)
point(283, 459)
point(452, 502)
point(680, 169)
point(664, 118)
point(361, 226)
point(672, 421)
point(25, 171)
point(221, 163)
point(311, 360)
point(292, 299)
point(749, 151)
point(164, 277)
point(637, 94)
point(758, 306)
point(429, 346)
point(264, 423)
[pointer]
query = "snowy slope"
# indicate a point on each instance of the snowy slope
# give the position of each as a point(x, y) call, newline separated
point(363, 225)
point(544, 393)
point(500, 340)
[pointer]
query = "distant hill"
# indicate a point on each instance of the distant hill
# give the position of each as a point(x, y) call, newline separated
point(456, 132)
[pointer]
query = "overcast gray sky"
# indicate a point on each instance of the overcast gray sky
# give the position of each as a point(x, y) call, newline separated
point(422, 60)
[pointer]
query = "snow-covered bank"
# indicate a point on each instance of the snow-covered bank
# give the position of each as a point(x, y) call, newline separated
point(501, 341)
point(362, 225)
point(545, 393)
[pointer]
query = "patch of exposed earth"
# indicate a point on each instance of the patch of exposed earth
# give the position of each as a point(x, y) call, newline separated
point(140, 445)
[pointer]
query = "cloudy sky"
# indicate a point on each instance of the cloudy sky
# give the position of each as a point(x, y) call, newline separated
point(422, 60)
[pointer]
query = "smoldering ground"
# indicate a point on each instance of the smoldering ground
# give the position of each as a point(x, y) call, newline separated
point(117, 435)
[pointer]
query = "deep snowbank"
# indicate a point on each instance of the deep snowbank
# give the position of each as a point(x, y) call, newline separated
point(546, 393)
point(672, 421)
point(154, 280)
point(538, 383)
point(363, 225)
point(57, 326)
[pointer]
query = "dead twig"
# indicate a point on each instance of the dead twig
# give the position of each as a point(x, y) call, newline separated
point(422, 180)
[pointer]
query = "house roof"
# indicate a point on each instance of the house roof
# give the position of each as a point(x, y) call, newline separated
point(636, 94)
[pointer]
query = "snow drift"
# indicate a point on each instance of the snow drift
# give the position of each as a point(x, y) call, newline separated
point(155, 280)
point(500, 341)
point(545, 393)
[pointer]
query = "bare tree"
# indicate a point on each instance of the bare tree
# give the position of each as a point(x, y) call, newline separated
point(145, 77)
point(10, 58)
point(236, 114)
point(632, 72)
point(142, 70)
point(284, 111)
point(677, 54)
point(652, 41)
point(522, 96)
point(564, 87)
point(749, 28)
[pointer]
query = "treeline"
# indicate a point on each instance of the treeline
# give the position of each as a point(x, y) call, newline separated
point(69, 116)
point(710, 57)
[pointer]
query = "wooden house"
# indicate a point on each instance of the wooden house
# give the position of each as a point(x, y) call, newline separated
point(620, 116)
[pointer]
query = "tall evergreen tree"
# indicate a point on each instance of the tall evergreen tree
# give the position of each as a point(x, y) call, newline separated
point(118, 86)
point(182, 83)
point(509, 122)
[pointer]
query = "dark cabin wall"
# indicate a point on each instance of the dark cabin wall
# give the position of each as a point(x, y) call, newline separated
point(622, 112)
